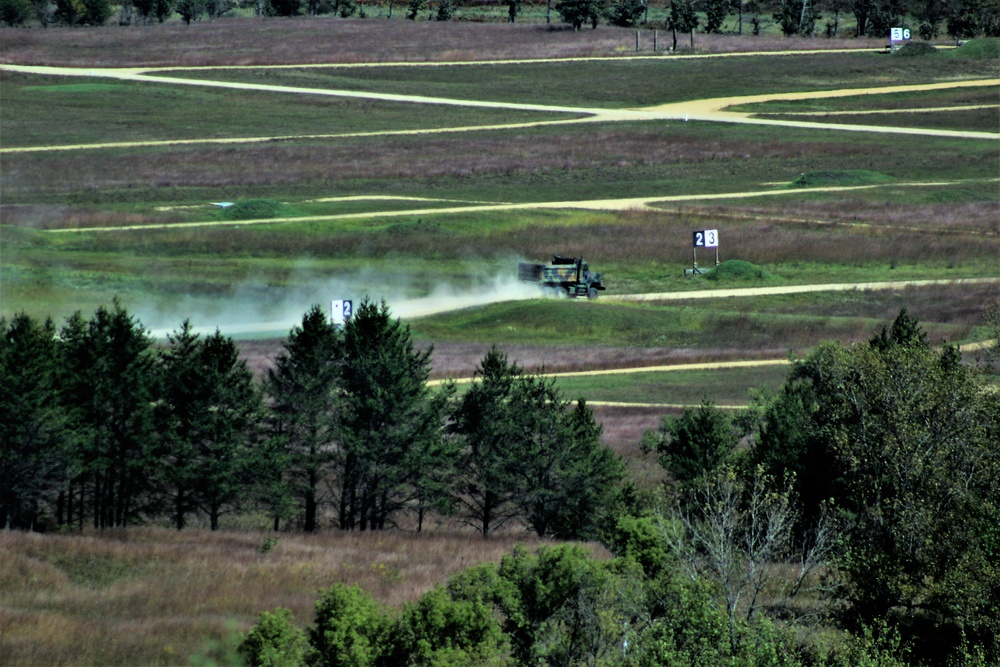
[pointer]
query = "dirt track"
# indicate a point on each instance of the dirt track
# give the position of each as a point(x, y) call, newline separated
point(707, 110)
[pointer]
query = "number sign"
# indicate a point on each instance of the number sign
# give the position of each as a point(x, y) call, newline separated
point(707, 238)
point(899, 35)
point(340, 311)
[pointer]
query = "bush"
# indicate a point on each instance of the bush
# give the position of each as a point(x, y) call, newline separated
point(439, 630)
point(351, 628)
point(274, 641)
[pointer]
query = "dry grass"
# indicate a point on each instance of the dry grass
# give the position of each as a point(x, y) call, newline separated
point(254, 41)
point(617, 151)
point(154, 596)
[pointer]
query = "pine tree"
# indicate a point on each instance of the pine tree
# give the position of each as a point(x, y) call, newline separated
point(392, 424)
point(305, 403)
point(33, 458)
point(212, 418)
point(110, 385)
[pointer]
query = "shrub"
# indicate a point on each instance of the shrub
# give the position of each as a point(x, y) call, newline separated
point(274, 641)
point(351, 628)
point(439, 630)
point(736, 269)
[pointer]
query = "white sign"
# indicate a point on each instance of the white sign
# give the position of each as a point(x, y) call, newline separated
point(897, 35)
point(340, 311)
point(707, 238)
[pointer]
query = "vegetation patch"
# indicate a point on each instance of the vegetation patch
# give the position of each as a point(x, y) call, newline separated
point(258, 209)
point(813, 179)
point(987, 48)
point(915, 49)
point(737, 270)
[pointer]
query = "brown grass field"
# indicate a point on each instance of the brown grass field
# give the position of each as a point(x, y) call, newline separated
point(262, 41)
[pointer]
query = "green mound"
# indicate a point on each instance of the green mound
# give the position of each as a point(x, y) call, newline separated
point(978, 49)
point(253, 209)
point(912, 49)
point(847, 177)
point(736, 270)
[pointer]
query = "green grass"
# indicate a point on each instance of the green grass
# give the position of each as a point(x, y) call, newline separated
point(727, 387)
point(37, 112)
point(612, 83)
point(817, 179)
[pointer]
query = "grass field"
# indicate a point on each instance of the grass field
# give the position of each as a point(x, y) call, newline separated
point(444, 218)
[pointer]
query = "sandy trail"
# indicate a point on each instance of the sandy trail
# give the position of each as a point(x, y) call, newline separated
point(707, 110)
point(624, 204)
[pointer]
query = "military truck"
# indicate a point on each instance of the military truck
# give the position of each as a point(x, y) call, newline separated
point(565, 276)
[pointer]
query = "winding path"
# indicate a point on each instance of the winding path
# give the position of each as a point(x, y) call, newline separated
point(707, 110)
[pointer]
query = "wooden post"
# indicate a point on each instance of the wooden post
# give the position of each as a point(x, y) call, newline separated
point(636, 40)
point(654, 41)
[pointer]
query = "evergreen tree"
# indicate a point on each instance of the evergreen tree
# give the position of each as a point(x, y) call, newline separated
point(392, 424)
point(486, 486)
point(305, 402)
point(527, 456)
point(34, 460)
point(212, 417)
point(693, 445)
point(110, 382)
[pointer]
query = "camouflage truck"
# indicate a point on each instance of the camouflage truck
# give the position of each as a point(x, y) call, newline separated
point(568, 276)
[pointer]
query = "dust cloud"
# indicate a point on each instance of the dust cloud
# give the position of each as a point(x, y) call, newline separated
point(259, 310)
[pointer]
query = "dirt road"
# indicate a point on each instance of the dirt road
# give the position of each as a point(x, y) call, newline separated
point(707, 110)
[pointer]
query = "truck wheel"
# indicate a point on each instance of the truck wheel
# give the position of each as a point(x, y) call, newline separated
point(591, 293)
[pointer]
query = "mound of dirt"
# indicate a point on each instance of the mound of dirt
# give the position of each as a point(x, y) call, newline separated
point(813, 179)
point(911, 49)
point(253, 209)
point(736, 270)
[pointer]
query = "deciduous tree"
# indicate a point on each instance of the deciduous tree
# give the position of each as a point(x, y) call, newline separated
point(907, 436)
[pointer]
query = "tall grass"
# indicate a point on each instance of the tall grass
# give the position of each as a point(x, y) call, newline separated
point(151, 596)
point(239, 41)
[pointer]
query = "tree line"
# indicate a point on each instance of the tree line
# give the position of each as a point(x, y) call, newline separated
point(960, 19)
point(101, 427)
point(852, 518)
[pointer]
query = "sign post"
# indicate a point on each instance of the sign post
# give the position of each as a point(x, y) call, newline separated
point(898, 37)
point(706, 238)
point(340, 311)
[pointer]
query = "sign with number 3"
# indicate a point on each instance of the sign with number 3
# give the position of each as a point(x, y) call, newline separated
point(707, 238)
